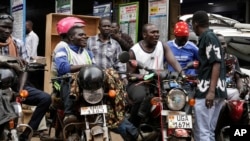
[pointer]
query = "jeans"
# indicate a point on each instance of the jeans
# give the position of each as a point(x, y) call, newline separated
point(206, 119)
point(127, 130)
point(40, 99)
point(64, 94)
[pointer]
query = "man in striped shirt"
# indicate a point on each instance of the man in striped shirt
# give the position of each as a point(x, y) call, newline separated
point(105, 49)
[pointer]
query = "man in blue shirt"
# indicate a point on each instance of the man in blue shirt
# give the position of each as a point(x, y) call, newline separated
point(184, 51)
point(70, 56)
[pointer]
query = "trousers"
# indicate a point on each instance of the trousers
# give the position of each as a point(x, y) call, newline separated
point(206, 119)
point(42, 102)
point(64, 94)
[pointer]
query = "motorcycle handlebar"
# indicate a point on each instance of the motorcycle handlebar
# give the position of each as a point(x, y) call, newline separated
point(67, 76)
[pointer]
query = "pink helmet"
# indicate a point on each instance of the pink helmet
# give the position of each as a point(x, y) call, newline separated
point(65, 24)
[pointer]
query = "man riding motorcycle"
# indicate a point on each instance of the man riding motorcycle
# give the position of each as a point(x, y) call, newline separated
point(234, 92)
point(69, 56)
point(151, 53)
point(11, 46)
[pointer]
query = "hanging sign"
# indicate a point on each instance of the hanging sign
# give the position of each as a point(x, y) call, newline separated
point(18, 11)
point(158, 15)
point(64, 6)
point(102, 10)
point(128, 19)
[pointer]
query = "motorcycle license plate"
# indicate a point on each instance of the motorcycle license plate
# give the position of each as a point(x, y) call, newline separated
point(90, 110)
point(180, 121)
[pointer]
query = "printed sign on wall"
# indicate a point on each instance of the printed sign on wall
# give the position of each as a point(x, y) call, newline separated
point(158, 15)
point(64, 6)
point(102, 10)
point(128, 19)
point(18, 11)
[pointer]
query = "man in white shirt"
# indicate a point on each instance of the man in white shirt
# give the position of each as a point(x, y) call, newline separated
point(31, 40)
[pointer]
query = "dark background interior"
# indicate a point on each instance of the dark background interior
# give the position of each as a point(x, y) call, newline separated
point(36, 11)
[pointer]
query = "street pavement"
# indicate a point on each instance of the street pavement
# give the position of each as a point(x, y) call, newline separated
point(114, 137)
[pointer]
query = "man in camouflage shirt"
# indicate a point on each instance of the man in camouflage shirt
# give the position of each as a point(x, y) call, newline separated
point(211, 90)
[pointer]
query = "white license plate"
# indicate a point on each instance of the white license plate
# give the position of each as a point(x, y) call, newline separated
point(180, 121)
point(90, 110)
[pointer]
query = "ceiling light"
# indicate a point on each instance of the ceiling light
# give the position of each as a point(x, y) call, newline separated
point(210, 3)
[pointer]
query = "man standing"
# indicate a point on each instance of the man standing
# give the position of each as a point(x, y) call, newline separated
point(123, 39)
point(31, 40)
point(14, 47)
point(211, 90)
point(105, 49)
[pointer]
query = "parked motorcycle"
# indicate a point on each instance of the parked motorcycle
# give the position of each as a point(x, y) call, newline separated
point(235, 112)
point(95, 100)
point(163, 109)
point(11, 111)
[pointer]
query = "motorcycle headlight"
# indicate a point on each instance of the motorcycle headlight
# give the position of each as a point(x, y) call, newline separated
point(93, 96)
point(176, 99)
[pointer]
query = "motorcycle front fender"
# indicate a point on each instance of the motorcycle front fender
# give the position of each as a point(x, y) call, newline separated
point(96, 130)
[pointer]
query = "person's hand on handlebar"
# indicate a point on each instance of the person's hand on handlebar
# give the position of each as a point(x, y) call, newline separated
point(14, 66)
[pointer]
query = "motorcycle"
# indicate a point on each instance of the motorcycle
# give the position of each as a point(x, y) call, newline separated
point(96, 95)
point(11, 100)
point(235, 112)
point(163, 109)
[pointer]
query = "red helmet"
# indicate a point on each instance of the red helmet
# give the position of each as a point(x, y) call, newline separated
point(181, 29)
point(65, 24)
point(235, 109)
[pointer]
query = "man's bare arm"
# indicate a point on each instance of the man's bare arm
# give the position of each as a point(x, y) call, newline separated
point(239, 83)
point(214, 76)
point(213, 83)
point(131, 69)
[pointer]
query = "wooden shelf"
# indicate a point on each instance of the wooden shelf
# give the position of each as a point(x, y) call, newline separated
point(52, 38)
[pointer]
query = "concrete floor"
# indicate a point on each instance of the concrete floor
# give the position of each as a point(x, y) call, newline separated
point(114, 137)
